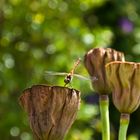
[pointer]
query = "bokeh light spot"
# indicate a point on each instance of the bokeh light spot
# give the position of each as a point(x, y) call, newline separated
point(88, 38)
point(25, 136)
point(22, 46)
point(14, 131)
point(38, 18)
point(126, 25)
point(63, 6)
point(52, 4)
point(8, 61)
point(50, 49)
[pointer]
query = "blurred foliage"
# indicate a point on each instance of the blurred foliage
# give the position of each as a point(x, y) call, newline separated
point(36, 36)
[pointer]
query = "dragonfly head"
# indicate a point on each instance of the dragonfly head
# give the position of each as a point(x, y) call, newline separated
point(68, 79)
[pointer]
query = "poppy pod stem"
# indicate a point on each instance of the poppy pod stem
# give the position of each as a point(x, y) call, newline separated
point(104, 109)
point(124, 122)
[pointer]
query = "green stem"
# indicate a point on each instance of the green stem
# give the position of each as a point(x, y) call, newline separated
point(104, 109)
point(124, 122)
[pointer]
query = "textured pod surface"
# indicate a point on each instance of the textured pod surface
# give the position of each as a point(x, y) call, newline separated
point(51, 110)
point(95, 61)
point(124, 80)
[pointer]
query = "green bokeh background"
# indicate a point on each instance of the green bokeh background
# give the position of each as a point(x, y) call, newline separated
point(41, 35)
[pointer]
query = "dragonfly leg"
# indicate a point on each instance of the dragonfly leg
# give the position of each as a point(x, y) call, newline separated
point(65, 84)
point(68, 84)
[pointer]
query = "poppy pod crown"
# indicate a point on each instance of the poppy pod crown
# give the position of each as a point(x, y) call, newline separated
point(51, 110)
point(95, 61)
point(124, 81)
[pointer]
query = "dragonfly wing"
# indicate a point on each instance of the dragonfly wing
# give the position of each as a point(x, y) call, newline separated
point(86, 78)
point(55, 73)
point(81, 77)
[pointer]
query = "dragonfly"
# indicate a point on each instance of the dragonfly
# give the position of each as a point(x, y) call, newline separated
point(69, 76)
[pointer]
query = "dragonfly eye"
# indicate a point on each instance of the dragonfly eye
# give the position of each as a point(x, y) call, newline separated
point(66, 81)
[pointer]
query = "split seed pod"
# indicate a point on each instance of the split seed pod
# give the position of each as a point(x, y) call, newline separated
point(95, 61)
point(51, 110)
point(124, 80)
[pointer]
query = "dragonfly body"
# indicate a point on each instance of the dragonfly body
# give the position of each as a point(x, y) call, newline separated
point(68, 79)
point(68, 76)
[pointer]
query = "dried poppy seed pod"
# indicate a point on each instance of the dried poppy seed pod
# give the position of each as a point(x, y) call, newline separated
point(124, 80)
point(51, 110)
point(95, 61)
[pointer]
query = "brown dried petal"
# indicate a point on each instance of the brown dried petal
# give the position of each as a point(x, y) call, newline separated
point(51, 110)
point(95, 61)
point(123, 79)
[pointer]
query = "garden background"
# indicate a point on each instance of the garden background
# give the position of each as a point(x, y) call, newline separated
point(38, 36)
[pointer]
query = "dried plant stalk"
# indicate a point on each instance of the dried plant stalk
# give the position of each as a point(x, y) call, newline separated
point(51, 110)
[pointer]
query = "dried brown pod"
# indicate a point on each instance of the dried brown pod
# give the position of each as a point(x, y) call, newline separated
point(95, 61)
point(124, 80)
point(51, 110)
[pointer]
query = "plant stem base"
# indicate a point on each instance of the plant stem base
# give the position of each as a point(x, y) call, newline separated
point(104, 109)
point(124, 122)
